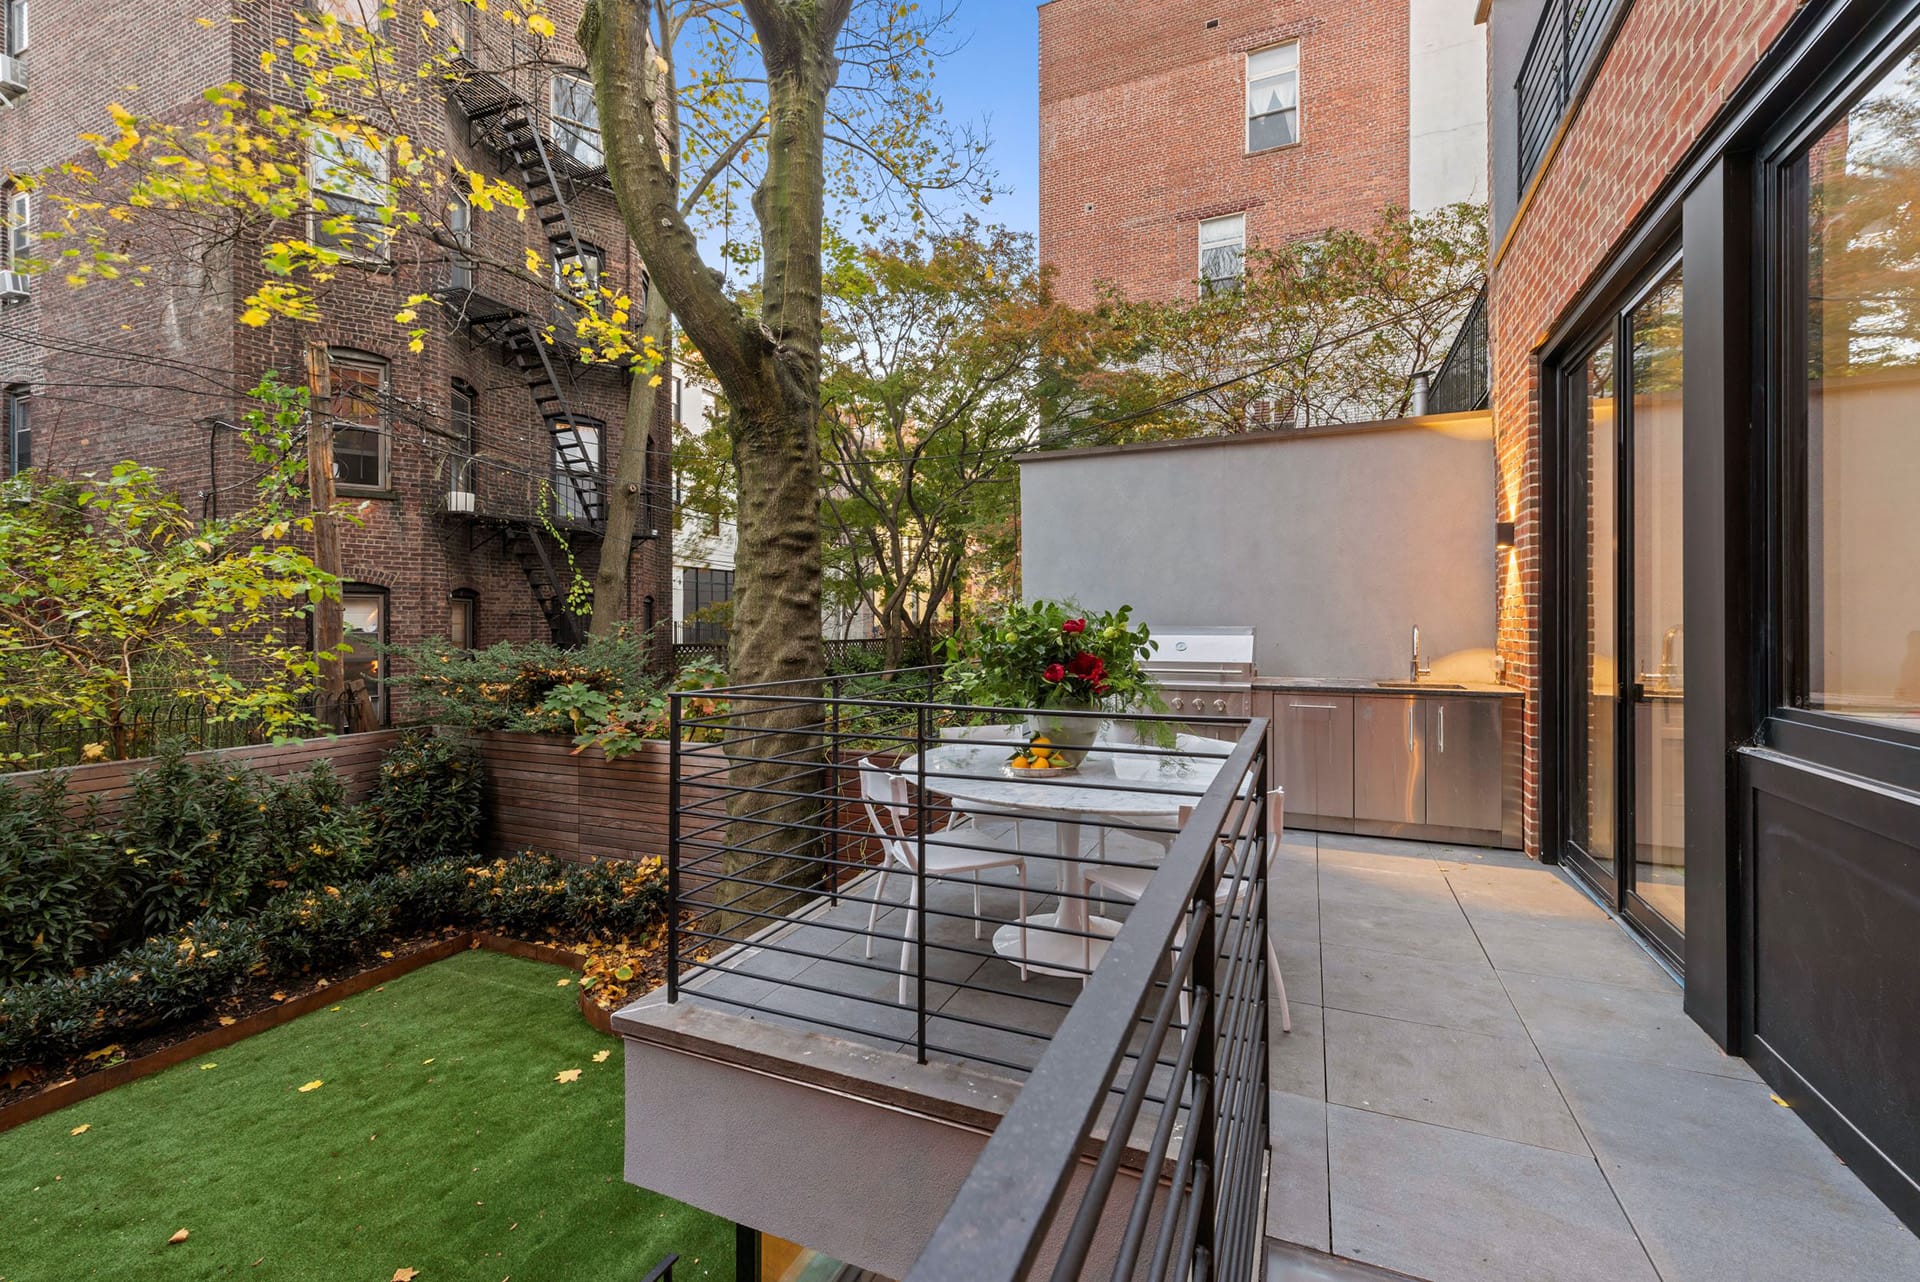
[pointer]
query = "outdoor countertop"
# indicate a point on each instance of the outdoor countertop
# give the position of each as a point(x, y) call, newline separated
point(1370, 685)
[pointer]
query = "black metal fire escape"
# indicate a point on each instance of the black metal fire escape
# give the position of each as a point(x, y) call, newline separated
point(503, 121)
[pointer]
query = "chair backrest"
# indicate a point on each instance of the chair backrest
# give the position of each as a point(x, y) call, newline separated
point(885, 796)
point(1237, 842)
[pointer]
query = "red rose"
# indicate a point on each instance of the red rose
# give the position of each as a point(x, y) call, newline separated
point(1100, 687)
point(1087, 665)
point(1054, 672)
point(1074, 625)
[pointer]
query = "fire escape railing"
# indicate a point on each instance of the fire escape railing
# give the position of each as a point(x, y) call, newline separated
point(1570, 33)
point(1464, 380)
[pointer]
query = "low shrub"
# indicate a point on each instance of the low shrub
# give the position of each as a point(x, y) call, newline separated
point(60, 881)
point(195, 833)
point(325, 929)
point(429, 800)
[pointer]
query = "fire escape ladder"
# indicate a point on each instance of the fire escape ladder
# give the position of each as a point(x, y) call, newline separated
point(530, 545)
point(576, 467)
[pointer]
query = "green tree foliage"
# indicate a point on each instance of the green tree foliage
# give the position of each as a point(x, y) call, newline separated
point(111, 594)
point(1326, 330)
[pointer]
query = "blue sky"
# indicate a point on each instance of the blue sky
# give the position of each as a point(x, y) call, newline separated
point(996, 75)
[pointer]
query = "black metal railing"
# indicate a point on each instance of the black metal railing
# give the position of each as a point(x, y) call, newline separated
point(1563, 46)
point(1464, 380)
point(43, 740)
point(1132, 888)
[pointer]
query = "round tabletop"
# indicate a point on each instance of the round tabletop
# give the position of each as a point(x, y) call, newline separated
point(1113, 784)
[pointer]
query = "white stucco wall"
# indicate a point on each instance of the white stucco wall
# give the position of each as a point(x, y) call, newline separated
point(1446, 104)
point(1331, 544)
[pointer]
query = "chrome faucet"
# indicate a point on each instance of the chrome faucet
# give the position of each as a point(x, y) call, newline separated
point(1668, 671)
point(1414, 670)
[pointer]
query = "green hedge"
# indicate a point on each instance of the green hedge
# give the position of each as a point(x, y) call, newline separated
point(186, 973)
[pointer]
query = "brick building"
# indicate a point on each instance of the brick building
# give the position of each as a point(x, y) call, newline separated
point(1706, 366)
point(476, 468)
point(1175, 133)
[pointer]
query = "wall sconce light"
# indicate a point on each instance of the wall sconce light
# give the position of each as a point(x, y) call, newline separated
point(1503, 535)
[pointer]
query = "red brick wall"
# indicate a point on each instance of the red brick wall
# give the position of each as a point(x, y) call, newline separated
point(124, 371)
point(1143, 131)
point(1672, 66)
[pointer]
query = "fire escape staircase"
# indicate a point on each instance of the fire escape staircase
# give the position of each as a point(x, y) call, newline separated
point(503, 121)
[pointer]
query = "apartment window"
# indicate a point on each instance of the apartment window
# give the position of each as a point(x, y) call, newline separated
point(463, 420)
point(363, 629)
point(1223, 253)
point(460, 264)
point(16, 18)
point(360, 454)
point(1860, 335)
point(19, 215)
point(462, 610)
point(348, 178)
point(576, 119)
point(358, 13)
point(706, 598)
point(576, 470)
point(19, 429)
point(1273, 97)
point(579, 274)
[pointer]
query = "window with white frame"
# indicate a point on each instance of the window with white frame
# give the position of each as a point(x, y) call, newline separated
point(1223, 253)
point(1273, 97)
point(460, 264)
point(576, 119)
point(19, 215)
point(16, 19)
point(358, 13)
point(359, 420)
point(351, 187)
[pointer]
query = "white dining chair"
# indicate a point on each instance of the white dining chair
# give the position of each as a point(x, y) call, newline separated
point(1131, 884)
point(886, 797)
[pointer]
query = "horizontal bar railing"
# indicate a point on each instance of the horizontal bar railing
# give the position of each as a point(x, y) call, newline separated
point(1117, 909)
point(1564, 43)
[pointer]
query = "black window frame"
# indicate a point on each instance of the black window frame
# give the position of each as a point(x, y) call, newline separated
point(697, 584)
point(466, 601)
point(377, 690)
point(19, 426)
point(465, 424)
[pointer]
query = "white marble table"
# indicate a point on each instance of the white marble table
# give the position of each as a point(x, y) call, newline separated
point(1109, 787)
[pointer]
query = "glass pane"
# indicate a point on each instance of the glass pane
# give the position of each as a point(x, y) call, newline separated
point(1271, 131)
point(1863, 407)
point(1592, 809)
point(1266, 62)
point(1659, 832)
point(361, 630)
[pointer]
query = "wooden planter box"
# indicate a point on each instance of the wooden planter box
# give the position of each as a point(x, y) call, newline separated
point(542, 795)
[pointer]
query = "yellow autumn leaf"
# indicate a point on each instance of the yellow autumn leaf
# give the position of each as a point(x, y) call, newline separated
point(600, 1057)
point(228, 1021)
point(81, 1129)
point(314, 1085)
point(405, 1275)
point(429, 21)
point(540, 25)
point(567, 1075)
point(209, 1064)
point(106, 1052)
point(93, 752)
point(562, 983)
point(426, 1061)
point(654, 381)
point(179, 1236)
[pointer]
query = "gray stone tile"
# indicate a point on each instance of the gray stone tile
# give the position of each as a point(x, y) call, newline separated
point(1366, 887)
point(1452, 1207)
point(1609, 1019)
point(1299, 965)
point(1287, 1262)
point(1398, 928)
point(1297, 1197)
point(1297, 1061)
point(1494, 1086)
point(1599, 951)
point(1376, 855)
point(1723, 1184)
point(1464, 995)
point(731, 989)
point(1523, 892)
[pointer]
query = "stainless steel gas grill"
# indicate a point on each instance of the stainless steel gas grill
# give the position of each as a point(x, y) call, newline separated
point(1204, 672)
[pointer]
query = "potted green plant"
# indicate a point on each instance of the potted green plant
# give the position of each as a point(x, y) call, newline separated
point(1071, 666)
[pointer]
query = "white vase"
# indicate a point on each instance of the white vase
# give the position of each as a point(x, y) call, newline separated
point(1070, 731)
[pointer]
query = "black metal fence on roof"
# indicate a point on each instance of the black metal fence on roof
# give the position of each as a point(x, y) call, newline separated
point(1564, 43)
point(1464, 380)
point(825, 876)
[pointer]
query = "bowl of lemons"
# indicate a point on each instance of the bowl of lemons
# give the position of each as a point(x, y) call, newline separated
point(1041, 760)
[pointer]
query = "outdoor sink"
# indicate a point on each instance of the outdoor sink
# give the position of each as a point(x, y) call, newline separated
point(1419, 685)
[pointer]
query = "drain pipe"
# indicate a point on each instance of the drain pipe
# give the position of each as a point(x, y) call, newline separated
point(1422, 382)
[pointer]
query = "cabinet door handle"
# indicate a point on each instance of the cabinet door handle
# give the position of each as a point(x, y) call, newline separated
point(1442, 710)
point(1313, 707)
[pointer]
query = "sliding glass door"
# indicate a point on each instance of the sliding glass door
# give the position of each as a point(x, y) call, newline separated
point(1624, 590)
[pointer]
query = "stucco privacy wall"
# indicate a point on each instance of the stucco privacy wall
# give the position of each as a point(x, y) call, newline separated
point(1669, 70)
point(1331, 543)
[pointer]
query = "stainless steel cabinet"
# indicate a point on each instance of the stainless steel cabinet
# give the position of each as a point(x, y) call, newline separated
point(1464, 760)
point(1313, 735)
point(1389, 759)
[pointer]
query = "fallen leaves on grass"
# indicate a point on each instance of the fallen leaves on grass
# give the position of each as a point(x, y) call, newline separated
point(314, 1085)
point(209, 1064)
point(562, 983)
point(81, 1129)
point(567, 1075)
point(332, 1009)
point(600, 1057)
point(405, 1275)
point(179, 1236)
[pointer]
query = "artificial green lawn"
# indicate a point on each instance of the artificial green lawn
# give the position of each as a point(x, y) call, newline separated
point(438, 1130)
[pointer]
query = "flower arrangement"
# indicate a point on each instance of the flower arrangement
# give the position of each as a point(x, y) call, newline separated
point(1052, 654)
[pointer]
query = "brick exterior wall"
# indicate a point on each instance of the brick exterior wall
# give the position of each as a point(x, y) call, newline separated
point(1671, 67)
point(120, 371)
point(1143, 132)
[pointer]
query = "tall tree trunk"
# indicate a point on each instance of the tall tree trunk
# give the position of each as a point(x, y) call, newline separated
point(628, 500)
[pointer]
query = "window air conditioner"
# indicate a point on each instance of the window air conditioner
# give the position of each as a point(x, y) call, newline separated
point(13, 76)
point(14, 287)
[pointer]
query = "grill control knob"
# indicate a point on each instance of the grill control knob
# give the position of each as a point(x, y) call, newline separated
point(1220, 705)
point(1177, 705)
